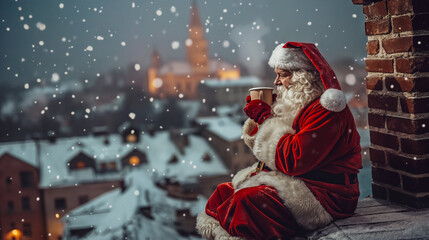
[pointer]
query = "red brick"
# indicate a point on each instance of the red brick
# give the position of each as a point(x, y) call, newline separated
point(375, 10)
point(380, 175)
point(396, 45)
point(379, 192)
point(357, 2)
point(406, 44)
point(379, 65)
point(415, 105)
point(406, 125)
point(415, 184)
point(372, 47)
point(413, 146)
point(402, 24)
point(412, 65)
point(384, 102)
point(407, 199)
point(376, 120)
point(377, 157)
point(410, 165)
point(400, 84)
point(384, 140)
point(377, 27)
point(398, 7)
point(374, 83)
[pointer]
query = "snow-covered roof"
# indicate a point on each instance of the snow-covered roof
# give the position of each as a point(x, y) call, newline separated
point(25, 151)
point(224, 127)
point(184, 68)
point(55, 157)
point(108, 213)
point(250, 81)
point(159, 149)
point(191, 108)
point(224, 110)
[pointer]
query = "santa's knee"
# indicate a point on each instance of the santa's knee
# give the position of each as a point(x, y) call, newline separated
point(254, 195)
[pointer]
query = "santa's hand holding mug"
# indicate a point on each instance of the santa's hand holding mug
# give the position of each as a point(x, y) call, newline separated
point(259, 103)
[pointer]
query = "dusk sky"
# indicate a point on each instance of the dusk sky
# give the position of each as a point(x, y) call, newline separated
point(73, 40)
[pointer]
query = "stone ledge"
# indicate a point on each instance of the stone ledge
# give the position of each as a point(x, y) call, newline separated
point(377, 219)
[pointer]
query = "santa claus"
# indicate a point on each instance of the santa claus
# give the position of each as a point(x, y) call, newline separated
point(308, 151)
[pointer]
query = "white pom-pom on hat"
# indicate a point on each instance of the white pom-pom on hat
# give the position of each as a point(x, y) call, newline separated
point(333, 99)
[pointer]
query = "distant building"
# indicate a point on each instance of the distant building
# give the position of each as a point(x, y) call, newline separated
point(218, 92)
point(159, 198)
point(182, 77)
point(224, 134)
point(21, 206)
point(73, 171)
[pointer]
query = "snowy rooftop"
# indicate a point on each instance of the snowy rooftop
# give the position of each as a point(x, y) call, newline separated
point(224, 127)
point(184, 68)
point(25, 151)
point(159, 150)
point(239, 82)
point(108, 213)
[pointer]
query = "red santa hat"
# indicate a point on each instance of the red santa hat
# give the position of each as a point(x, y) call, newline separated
point(295, 56)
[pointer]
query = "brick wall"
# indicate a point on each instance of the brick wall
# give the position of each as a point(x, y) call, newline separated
point(398, 98)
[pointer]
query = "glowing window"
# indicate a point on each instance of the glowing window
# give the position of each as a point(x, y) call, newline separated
point(131, 138)
point(112, 165)
point(134, 160)
point(80, 164)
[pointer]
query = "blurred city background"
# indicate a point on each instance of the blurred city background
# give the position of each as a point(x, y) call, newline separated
point(119, 118)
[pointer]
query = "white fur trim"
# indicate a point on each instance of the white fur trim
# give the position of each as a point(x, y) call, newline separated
point(248, 126)
point(268, 136)
point(300, 201)
point(210, 229)
point(243, 175)
point(333, 99)
point(222, 234)
point(290, 59)
point(206, 225)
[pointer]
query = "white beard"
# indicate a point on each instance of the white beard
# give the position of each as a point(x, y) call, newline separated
point(285, 106)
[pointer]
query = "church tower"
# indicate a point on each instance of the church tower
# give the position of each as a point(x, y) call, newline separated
point(197, 46)
point(153, 84)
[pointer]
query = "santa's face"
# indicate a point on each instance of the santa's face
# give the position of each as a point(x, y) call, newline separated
point(282, 77)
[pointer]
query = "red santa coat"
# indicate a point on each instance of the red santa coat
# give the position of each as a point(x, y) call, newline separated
point(321, 138)
point(317, 139)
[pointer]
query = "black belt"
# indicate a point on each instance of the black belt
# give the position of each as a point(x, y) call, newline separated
point(326, 177)
point(262, 167)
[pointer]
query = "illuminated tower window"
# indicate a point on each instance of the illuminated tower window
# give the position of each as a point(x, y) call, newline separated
point(131, 138)
point(134, 161)
point(80, 164)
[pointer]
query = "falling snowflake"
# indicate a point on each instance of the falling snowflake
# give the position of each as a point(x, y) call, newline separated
point(41, 26)
point(55, 77)
point(175, 45)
